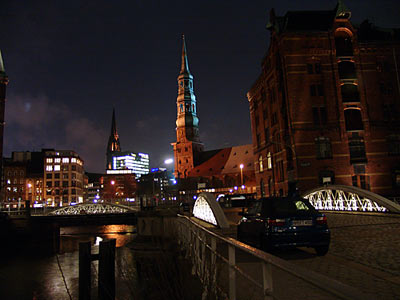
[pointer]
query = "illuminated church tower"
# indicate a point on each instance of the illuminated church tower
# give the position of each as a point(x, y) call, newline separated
point(188, 145)
point(113, 142)
point(3, 86)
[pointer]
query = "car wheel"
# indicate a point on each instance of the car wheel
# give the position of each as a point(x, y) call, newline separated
point(321, 250)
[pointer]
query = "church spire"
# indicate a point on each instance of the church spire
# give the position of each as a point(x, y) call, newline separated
point(3, 75)
point(185, 64)
point(113, 142)
point(188, 145)
point(113, 125)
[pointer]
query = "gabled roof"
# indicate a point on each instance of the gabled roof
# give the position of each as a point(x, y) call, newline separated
point(366, 31)
point(225, 161)
point(307, 20)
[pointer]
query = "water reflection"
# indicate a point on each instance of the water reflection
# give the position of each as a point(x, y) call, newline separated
point(36, 277)
point(72, 236)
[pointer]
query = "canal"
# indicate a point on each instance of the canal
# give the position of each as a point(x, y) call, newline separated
point(30, 272)
point(33, 272)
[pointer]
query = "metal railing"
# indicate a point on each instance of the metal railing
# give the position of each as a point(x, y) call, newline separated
point(264, 270)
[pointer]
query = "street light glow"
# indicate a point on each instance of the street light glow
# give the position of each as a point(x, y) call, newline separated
point(241, 166)
point(168, 161)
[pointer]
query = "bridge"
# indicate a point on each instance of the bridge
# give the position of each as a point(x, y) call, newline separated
point(349, 198)
point(92, 209)
point(90, 214)
point(234, 270)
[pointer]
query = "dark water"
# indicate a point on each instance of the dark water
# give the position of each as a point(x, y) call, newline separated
point(27, 274)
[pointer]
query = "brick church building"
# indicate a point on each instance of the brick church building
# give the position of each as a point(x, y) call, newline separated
point(222, 170)
point(325, 108)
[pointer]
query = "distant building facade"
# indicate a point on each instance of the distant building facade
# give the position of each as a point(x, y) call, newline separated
point(325, 109)
point(120, 189)
point(93, 187)
point(47, 178)
point(222, 170)
point(64, 177)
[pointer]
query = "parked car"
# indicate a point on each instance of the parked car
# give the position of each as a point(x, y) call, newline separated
point(278, 222)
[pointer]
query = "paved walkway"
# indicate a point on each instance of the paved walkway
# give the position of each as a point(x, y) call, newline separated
point(364, 253)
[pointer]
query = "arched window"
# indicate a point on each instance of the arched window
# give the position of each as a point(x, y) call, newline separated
point(262, 188)
point(347, 70)
point(353, 119)
point(269, 161)
point(181, 107)
point(260, 162)
point(350, 93)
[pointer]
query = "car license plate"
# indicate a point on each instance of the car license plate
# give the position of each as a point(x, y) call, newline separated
point(302, 222)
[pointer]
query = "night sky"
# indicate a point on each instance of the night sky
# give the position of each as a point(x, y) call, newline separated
point(70, 62)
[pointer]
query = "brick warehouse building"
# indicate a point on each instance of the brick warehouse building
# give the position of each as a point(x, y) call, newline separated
point(325, 109)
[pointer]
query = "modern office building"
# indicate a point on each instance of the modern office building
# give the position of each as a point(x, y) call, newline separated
point(130, 163)
point(325, 108)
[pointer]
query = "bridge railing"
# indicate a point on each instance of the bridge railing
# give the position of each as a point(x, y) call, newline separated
point(234, 270)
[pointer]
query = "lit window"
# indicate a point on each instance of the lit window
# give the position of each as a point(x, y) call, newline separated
point(65, 160)
point(260, 162)
point(8, 181)
point(57, 160)
point(49, 160)
point(57, 168)
point(73, 160)
point(269, 161)
point(49, 168)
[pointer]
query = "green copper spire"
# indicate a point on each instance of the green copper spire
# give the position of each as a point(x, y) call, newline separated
point(342, 12)
point(2, 70)
point(185, 64)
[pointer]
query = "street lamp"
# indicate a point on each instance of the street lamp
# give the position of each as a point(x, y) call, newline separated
point(241, 174)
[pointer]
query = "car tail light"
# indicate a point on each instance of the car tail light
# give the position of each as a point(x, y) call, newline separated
point(322, 220)
point(276, 222)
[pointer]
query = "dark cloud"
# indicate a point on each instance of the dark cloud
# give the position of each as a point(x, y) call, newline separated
point(35, 122)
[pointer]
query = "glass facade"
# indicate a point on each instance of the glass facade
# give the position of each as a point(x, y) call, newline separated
point(138, 163)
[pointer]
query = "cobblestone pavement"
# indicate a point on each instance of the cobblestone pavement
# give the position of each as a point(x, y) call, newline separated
point(364, 253)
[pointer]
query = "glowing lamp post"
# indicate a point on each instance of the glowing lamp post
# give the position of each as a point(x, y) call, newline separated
point(241, 174)
point(168, 161)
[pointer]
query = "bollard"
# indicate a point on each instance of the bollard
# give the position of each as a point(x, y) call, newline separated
point(107, 270)
point(84, 271)
point(106, 279)
point(28, 208)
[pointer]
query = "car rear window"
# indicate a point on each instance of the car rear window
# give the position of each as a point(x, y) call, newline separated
point(281, 207)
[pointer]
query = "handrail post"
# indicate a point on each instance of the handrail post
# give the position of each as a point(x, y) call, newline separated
point(213, 261)
point(267, 280)
point(203, 254)
point(232, 273)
